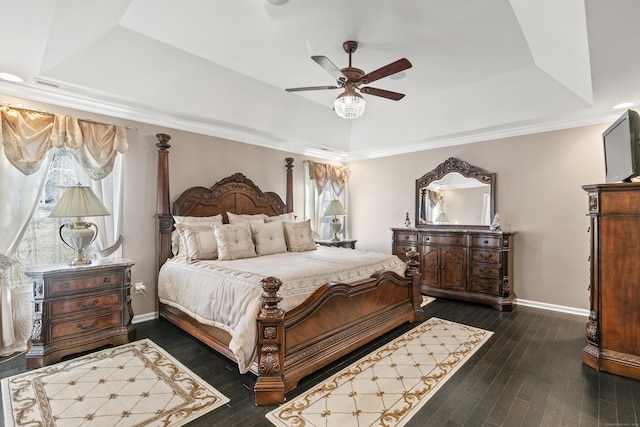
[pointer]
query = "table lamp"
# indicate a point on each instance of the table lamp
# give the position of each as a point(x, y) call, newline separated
point(335, 208)
point(78, 201)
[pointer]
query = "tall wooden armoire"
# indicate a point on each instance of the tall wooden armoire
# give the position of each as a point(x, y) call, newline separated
point(613, 329)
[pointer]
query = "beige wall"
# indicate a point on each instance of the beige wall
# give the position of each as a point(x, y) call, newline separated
point(538, 195)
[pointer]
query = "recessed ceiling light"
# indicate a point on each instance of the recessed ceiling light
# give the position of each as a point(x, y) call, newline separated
point(11, 77)
point(623, 105)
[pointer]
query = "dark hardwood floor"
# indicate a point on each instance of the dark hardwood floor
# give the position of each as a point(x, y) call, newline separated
point(528, 374)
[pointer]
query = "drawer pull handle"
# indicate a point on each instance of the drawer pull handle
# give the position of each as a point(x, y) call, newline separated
point(86, 328)
point(486, 242)
point(93, 304)
point(107, 280)
point(65, 285)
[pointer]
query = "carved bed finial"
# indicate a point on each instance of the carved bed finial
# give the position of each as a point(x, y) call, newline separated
point(163, 141)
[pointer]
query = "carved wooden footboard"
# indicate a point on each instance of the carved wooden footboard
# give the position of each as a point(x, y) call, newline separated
point(337, 319)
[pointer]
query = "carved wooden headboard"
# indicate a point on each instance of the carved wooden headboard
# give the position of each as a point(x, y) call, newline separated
point(236, 194)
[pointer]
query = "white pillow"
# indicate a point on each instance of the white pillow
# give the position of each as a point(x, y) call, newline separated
point(238, 218)
point(269, 238)
point(299, 236)
point(175, 242)
point(287, 217)
point(234, 241)
point(199, 241)
point(191, 220)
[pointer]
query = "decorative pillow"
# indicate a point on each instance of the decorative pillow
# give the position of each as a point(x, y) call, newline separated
point(269, 238)
point(192, 220)
point(234, 241)
point(238, 218)
point(199, 241)
point(287, 217)
point(299, 236)
point(175, 242)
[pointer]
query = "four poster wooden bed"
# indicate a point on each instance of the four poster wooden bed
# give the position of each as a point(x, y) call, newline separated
point(334, 320)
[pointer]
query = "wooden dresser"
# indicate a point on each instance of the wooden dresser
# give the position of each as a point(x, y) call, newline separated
point(613, 329)
point(470, 265)
point(79, 308)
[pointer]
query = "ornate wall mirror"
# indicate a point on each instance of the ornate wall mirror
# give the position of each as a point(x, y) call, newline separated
point(455, 194)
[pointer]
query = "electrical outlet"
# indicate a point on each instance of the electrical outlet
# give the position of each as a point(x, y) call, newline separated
point(139, 288)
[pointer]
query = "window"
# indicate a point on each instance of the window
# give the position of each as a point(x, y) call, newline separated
point(333, 180)
point(41, 243)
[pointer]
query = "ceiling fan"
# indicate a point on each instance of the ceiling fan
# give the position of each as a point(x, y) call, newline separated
point(350, 104)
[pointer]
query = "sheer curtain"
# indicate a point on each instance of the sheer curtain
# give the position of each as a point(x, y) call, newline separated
point(323, 183)
point(27, 138)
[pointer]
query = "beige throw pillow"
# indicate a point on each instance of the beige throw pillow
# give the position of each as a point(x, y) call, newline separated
point(238, 218)
point(178, 242)
point(287, 217)
point(199, 241)
point(234, 241)
point(269, 238)
point(299, 236)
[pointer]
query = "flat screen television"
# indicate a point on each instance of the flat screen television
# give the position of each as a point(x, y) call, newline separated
point(622, 148)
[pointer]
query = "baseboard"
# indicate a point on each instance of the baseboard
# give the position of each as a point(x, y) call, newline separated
point(145, 317)
point(523, 302)
point(553, 307)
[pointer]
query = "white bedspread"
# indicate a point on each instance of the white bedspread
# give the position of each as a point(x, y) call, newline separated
point(226, 294)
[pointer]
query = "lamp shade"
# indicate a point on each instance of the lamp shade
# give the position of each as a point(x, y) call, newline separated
point(334, 208)
point(349, 104)
point(442, 218)
point(78, 201)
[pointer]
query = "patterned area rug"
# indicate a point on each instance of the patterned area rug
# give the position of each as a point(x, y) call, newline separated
point(390, 385)
point(137, 384)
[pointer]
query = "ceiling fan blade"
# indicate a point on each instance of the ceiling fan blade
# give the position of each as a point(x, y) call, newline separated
point(300, 89)
point(387, 70)
point(330, 67)
point(383, 93)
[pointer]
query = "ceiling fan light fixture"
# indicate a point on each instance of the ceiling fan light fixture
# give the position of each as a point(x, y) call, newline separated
point(349, 104)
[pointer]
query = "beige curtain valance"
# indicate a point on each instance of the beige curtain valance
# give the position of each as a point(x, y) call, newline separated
point(26, 135)
point(336, 176)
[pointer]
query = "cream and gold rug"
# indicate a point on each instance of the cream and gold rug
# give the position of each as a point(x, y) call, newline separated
point(388, 386)
point(136, 384)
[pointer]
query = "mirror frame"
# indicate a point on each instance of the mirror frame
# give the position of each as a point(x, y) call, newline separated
point(468, 171)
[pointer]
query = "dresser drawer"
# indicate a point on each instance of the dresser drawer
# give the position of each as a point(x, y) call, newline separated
point(84, 325)
point(405, 237)
point(64, 286)
point(486, 286)
point(437, 239)
point(401, 250)
point(69, 306)
point(490, 271)
point(486, 242)
point(479, 255)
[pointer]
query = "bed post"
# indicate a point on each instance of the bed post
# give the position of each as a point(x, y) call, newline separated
point(164, 221)
point(413, 271)
point(269, 388)
point(289, 194)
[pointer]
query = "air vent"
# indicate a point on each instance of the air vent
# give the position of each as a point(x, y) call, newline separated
point(59, 86)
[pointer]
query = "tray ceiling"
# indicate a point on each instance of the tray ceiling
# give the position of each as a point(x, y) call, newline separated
point(481, 69)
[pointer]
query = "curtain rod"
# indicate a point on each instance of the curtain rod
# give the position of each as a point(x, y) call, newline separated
point(48, 112)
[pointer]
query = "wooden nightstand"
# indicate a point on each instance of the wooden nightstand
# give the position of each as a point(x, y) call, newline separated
point(79, 308)
point(351, 244)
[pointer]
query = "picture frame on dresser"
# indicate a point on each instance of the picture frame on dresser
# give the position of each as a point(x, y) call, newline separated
point(79, 308)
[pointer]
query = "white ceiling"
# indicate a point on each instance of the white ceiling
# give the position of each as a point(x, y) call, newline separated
point(482, 69)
